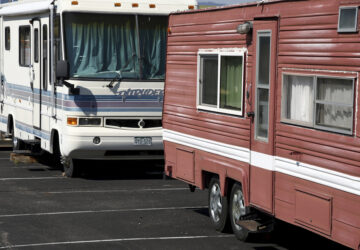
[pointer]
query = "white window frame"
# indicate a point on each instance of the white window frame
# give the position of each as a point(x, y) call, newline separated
point(348, 30)
point(313, 125)
point(219, 53)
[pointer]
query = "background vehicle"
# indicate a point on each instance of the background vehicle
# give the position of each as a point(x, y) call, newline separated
point(262, 108)
point(105, 100)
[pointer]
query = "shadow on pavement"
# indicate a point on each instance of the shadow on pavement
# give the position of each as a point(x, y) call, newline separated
point(120, 170)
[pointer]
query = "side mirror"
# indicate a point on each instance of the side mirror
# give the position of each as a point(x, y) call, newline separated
point(62, 70)
point(62, 73)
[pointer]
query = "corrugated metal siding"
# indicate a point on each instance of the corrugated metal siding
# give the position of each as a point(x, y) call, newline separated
point(308, 40)
point(188, 35)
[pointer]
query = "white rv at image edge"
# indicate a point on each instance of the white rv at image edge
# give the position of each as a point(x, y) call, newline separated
point(84, 79)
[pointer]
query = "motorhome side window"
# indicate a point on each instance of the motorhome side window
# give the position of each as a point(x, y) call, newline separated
point(24, 46)
point(221, 82)
point(321, 102)
point(7, 38)
point(45, 56)
point(58, 46)
point(36, 45)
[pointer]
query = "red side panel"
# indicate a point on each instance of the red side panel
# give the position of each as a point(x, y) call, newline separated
point(324, 210)
point(185, 164)
point(261, 188)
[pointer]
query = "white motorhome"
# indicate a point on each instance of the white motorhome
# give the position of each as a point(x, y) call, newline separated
point(84, 79)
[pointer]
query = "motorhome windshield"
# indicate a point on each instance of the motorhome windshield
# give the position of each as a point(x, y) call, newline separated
point(106, 46)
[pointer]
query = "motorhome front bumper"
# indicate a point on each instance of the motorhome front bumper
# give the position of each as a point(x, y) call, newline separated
point(97, 144)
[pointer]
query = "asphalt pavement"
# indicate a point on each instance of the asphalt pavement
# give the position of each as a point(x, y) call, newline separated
point(123, 205)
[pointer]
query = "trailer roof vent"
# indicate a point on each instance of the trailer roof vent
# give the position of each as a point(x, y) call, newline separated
point(348, 19)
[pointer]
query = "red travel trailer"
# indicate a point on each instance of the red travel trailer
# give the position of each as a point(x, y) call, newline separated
point(262, 108)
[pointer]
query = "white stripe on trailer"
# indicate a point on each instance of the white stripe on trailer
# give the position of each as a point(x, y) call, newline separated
point(323, 176)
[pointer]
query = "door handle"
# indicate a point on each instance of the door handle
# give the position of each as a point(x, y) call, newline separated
point(250, 114)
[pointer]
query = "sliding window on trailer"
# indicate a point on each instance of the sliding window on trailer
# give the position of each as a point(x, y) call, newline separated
point(319, 101)
point(220, 84)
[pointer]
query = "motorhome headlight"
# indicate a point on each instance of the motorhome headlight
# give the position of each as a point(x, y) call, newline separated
point(89, 121)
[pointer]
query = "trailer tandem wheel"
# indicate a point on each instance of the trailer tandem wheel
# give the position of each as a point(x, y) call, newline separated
point(218, 206)
point(237, 210)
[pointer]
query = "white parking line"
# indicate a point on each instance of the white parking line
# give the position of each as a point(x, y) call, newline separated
point(116, 240)
point(101, 211)
point(116, 190)
point(31, 178)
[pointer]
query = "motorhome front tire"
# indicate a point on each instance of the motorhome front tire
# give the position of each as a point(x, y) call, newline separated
point(71, 168)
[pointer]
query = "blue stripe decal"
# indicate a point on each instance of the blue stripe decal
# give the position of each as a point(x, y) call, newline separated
point(136, 95)
point(87, 110)
point(3, 119)
point(130, 100)
point(31, 130)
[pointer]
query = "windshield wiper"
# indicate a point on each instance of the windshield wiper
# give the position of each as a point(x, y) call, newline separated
point(117, 78)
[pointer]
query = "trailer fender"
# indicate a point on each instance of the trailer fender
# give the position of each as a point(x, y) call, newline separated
point(240, 175)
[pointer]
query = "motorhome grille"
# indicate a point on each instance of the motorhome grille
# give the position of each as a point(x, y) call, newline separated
point(133, 123)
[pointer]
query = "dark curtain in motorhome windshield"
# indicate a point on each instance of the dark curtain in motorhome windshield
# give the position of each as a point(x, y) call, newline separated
point(107, 46)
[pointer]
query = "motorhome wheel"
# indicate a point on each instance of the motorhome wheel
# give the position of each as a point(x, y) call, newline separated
point(71, 168)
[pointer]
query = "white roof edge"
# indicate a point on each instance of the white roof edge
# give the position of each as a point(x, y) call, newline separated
point(25, 8)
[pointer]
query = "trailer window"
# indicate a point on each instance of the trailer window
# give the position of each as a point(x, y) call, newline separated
point(334, 104)
point(320, 102)
point(220, 85)
point(24, 46)
point(208, 80)
point(298, 99)
point(231, 82)
point(7, 38)
point(348, 19)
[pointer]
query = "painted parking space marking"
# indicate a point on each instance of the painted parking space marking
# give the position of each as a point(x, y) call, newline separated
point(117, 240)
point(116, 190)
point(32, 178)
point(101, 211)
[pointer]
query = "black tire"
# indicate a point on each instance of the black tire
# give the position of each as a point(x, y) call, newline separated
point(17, 144)
point(218, 207)
point(236, 209)
point(72, 168)
point(56, 153)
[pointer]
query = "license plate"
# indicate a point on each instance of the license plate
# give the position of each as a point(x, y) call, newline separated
point(143, 141)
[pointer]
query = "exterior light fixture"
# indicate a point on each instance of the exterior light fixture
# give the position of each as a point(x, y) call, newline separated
point(96, 140)
point(244, 28)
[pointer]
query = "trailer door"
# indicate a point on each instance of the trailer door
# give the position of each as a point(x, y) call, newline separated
point(36, 73)
point(263, 104)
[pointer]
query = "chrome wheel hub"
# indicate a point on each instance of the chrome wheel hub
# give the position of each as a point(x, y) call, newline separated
point(238, 208)
point(215, 202)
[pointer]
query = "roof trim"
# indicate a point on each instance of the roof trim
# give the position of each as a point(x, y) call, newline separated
point(25, 8)
point(255, 3)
